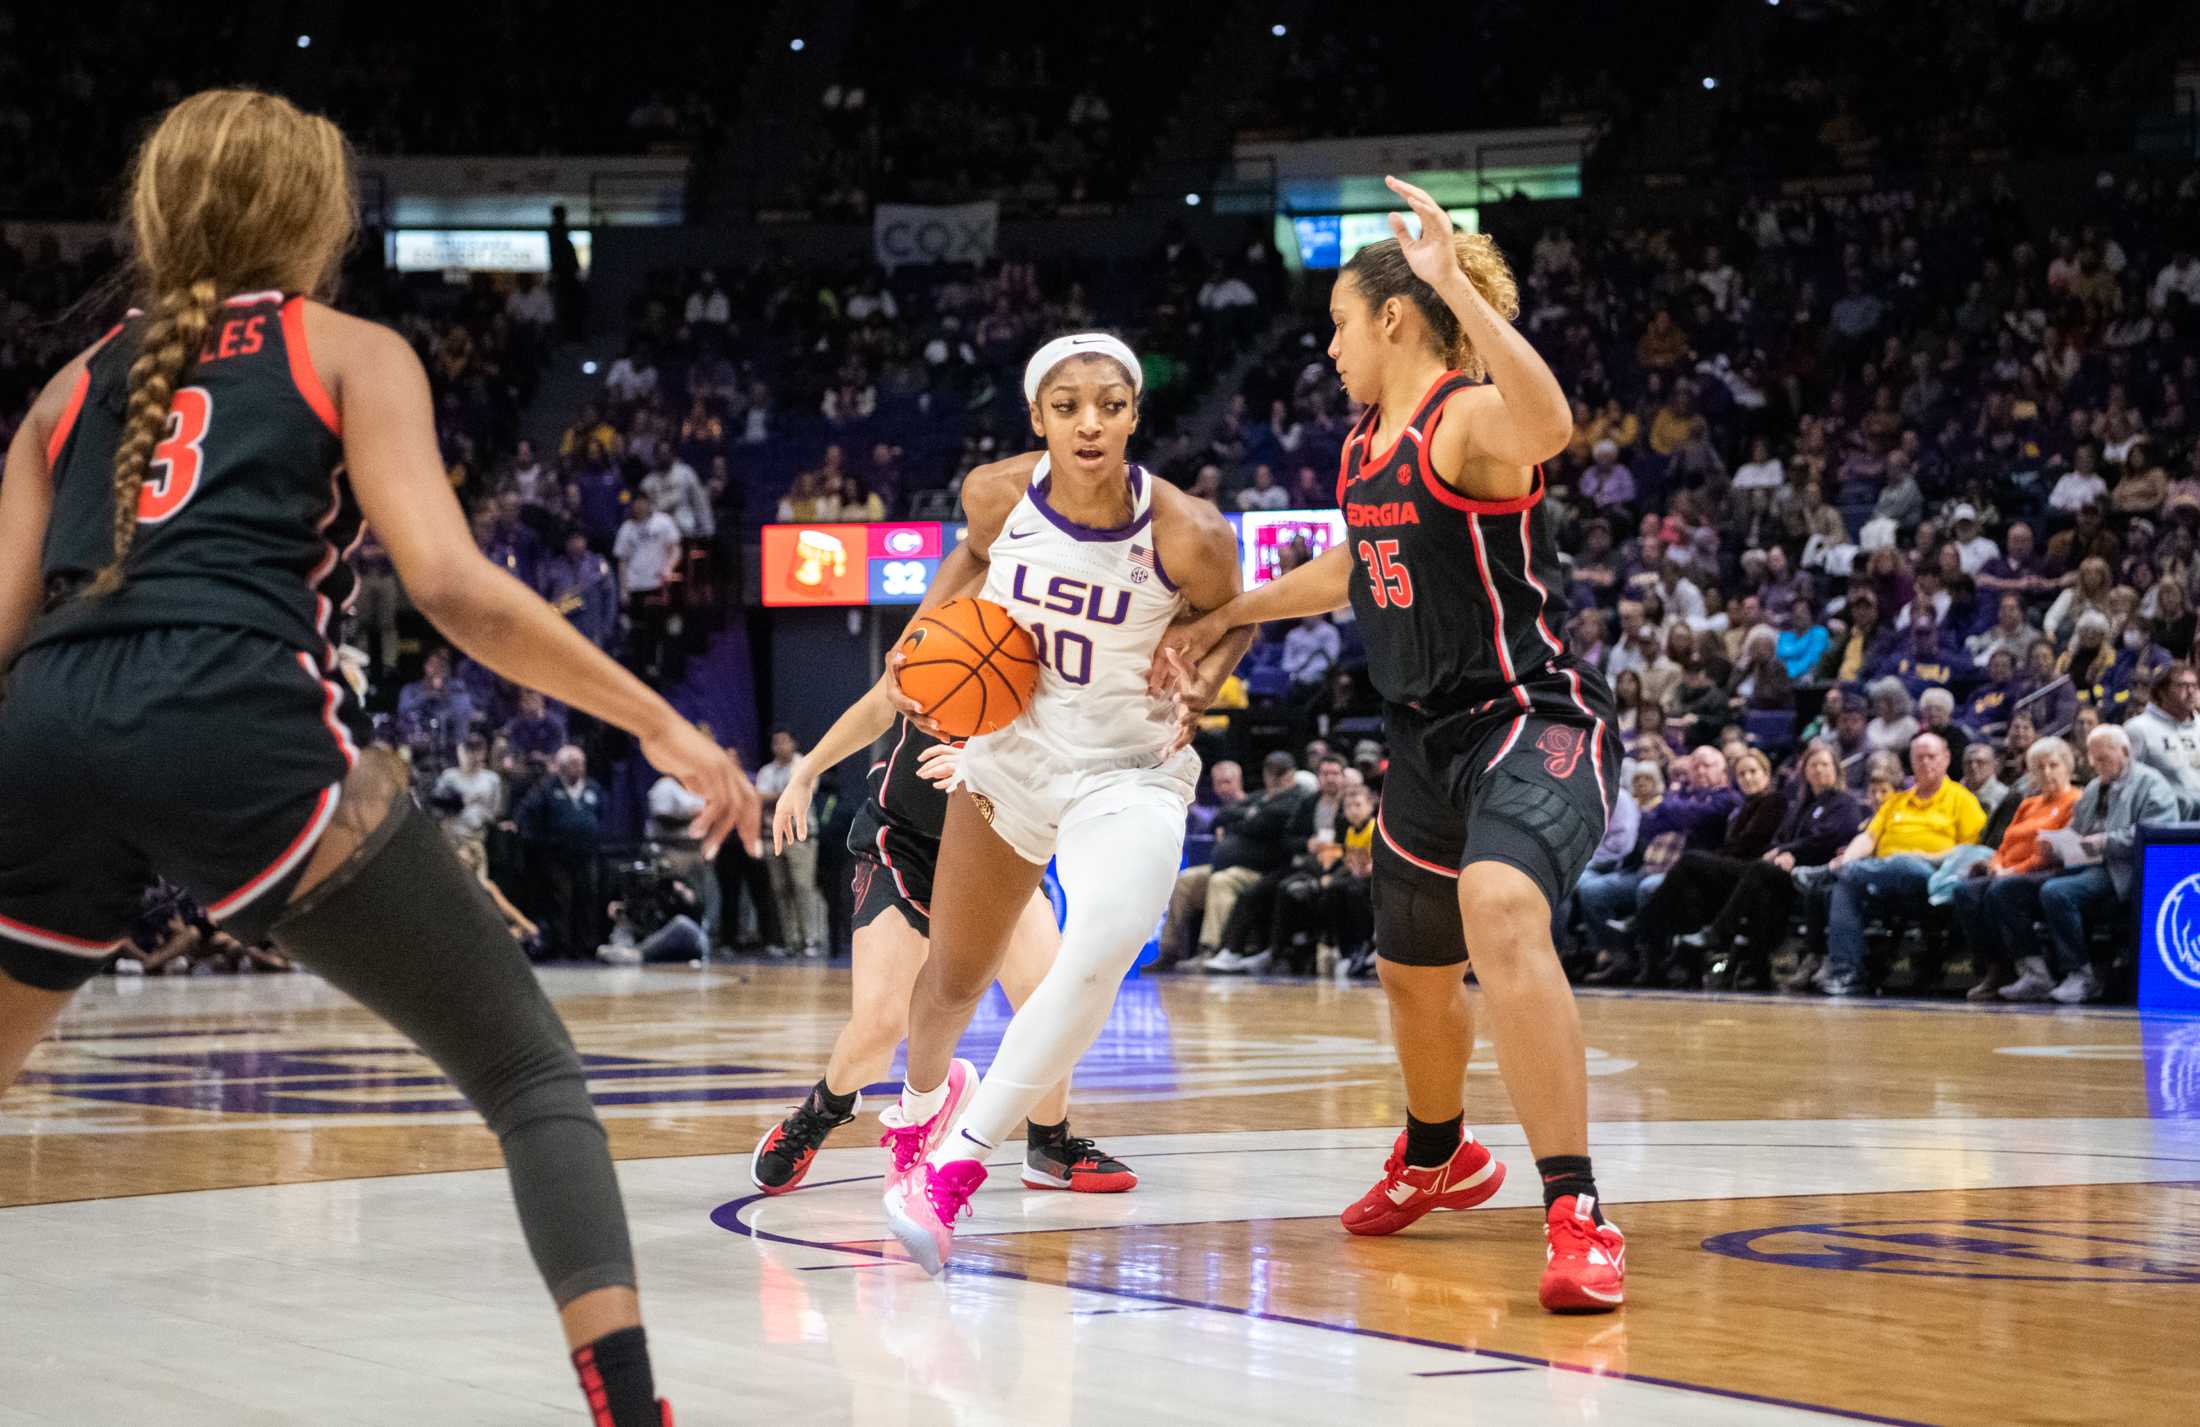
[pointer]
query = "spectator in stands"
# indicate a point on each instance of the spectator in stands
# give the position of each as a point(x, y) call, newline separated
point(2017, 570)
point(1760, 679)
point(1252, 838)
point(1987, 714)
point(1858, 646)
point(1982, 775)
point(1889, 863)
point(475, 790)
point(581, 586)
point(1801, 645)
point(2165, 736)
point(2121, 797)
point(633, 377)
point(1693, 813)
point(1692, 893)
point(2010, 631)
point(537, 731)
point(2089, 594)
point(2081, 487)
point(1999, 897)
point(1226, 788)
point(434, 716)
point(1310, 651)
point(793, 870)
point(1607, 485)
point(1936, 713)
point(1263, 493)
point(562, 823)
point(676, 491)
point(708, 307)
point(1893, 722)
point(529, 305)
point(648, 555)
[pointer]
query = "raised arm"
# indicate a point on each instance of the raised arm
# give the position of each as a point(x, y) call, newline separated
point(390, 448)
point(1320, 585)
point(1522, 417)
point(1194, 539)
point(989, 493)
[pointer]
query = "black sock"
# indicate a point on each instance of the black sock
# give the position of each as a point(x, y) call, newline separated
point(840, 1107)
point(1034, 1132)
point(1430, 1145)
point(615, 1379)
point(1565, 1174)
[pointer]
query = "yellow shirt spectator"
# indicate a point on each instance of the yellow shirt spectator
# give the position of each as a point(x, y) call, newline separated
point(1908, 823)
point(1230, 696)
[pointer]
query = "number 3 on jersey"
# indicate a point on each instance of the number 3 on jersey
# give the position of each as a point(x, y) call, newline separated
point(1387, 579)
point(173, 475)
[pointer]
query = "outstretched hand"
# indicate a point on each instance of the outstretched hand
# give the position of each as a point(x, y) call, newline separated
point(1187, 692)
point(1185, 644)
point(730, 801)
point(791, 814)
point(937, 764)
point(1430, 255)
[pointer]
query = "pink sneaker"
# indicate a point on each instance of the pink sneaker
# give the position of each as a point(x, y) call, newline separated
point(911, 1143)
point(924, 1205)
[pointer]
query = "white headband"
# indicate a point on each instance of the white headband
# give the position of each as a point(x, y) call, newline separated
point(1081, 344)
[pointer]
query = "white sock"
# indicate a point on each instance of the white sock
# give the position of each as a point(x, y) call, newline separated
point(961, 1145)
point(917, 1106)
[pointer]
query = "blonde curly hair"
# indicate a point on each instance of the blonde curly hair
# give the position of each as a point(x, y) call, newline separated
point(1381, 272)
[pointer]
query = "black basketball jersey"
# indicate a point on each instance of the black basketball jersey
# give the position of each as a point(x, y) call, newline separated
point(899, 798)
point(1455, 597)
point(245, 520)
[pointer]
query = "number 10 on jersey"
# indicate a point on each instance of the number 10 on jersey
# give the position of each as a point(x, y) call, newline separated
point(1387, 578)
point(1065, 651)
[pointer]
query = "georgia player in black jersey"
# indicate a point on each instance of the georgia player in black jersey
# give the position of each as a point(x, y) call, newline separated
point(1503, 755)
point(174, 525)
point(896, 845)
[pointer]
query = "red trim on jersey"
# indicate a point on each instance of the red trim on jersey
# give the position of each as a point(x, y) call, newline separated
point(1471, 506)
point(1384, 459)
point(67, 423)
point(254, 299)
point(303, 844)
point(1596, 747)
point(75, 407)
point(1497, 612)
point(330, 695)
point(1421, 862)
point(1543, 596)
point(902, 886)
point(53, 941)
point(302, 374)
point(1519, 721)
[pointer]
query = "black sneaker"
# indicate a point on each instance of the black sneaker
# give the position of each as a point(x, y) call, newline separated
point(1077, 1165)
point(783, 1156)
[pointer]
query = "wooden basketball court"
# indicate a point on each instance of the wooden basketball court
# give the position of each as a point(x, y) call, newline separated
point(243, 1200)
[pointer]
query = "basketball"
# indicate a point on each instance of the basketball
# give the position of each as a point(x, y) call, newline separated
point(971, 666)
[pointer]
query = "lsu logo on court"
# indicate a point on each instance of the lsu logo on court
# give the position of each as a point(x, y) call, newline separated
point(2148, 1251)
point(1384, 512)
point(2177, 932)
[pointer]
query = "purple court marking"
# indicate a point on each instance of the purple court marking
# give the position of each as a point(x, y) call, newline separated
point(727, 1216)
point(1472, 1372)
point(1941, 1248)
point(1123, 1312)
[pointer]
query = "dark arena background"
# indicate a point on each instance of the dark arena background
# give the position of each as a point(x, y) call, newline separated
point(1880, 326)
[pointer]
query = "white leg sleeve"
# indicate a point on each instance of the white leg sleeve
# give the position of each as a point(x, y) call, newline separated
point(1117, 869)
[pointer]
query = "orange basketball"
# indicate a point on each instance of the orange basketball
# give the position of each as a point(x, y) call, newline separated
point(970, 666)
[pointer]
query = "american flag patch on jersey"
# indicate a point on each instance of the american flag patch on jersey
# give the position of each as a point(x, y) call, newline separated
point(1140, 555)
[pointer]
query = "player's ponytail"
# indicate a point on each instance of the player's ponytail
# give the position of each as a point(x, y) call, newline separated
point(173, 336)
point(233, 191)
point(1381, 272)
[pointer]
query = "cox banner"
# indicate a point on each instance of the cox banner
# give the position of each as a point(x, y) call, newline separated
point(905, 234)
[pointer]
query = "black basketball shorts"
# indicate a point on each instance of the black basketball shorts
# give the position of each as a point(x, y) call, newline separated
point(893, 868)
point(213, 758)
point(1527, 782)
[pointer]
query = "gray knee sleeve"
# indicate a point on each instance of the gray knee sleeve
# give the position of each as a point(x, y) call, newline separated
point(406, 931)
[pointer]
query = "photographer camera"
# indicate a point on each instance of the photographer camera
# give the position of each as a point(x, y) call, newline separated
point(654, 919)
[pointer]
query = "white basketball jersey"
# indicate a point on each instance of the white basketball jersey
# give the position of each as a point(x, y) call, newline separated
point(1097, 603)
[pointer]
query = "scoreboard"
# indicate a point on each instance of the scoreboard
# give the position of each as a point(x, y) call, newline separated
point(839, 564)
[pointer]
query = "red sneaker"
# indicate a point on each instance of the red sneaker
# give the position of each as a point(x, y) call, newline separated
point(1585, 1263)
point(665, 1408)
point(1405, 1193)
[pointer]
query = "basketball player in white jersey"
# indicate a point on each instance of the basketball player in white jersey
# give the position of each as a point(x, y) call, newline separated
point(1096, 559)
